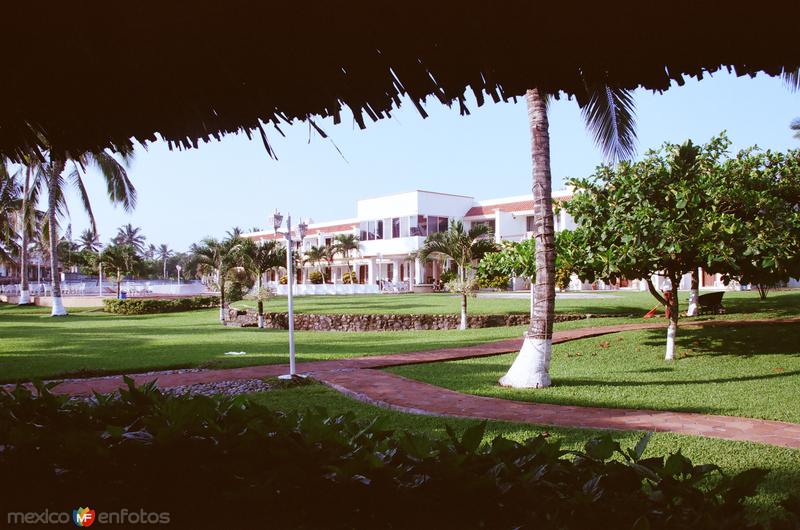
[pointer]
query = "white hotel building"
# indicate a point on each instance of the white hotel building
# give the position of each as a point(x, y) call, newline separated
point(393, 228)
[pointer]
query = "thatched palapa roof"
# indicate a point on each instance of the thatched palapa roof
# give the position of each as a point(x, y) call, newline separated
point(91, 74)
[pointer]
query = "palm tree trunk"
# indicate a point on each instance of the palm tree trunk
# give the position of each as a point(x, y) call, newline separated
point(463, 311)
point(221, 298)
point(531, 368)
point(119, 283)
point(260, 301)
point(694, 294)
point(24, 290)
point(54, 172)
point(165, 268)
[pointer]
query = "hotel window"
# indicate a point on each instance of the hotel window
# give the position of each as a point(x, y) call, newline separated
point(443, 222)
point(530, 224)
point(395, 227)
point(379, 229)
point(371, 230)
point(422, 227)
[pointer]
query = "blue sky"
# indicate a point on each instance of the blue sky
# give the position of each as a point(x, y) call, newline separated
point(186, 195)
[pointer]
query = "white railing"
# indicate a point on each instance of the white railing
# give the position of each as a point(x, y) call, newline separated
point(325, 288)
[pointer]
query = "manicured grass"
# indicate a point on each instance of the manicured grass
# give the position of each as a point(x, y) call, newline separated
point(35, 345)
point(751, 371)
point(613, 302)
point(733, 457)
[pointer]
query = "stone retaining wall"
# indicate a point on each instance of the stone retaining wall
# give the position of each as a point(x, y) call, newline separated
point(369, 322)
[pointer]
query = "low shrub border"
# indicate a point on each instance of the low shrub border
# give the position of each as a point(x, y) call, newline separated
point(144, 306)
point(385, 322)
point(248, 465)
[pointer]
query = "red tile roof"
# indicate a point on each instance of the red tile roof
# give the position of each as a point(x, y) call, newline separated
point(519, 206)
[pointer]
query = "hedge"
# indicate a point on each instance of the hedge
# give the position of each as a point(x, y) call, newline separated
point(228, 462)
point(143, 306)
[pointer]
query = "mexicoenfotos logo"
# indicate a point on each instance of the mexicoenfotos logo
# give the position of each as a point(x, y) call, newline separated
point(83, 517)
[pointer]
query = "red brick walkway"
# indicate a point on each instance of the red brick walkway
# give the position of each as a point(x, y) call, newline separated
point(362, 379)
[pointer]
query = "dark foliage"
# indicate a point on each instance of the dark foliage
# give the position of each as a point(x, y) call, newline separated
point(145, 306)
point(231, 463)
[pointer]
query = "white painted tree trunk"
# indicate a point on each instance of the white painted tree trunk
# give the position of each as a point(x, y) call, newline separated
point(24, 297)
point(261, 321)
point(222, 314)
point(670, 355)
point(531, 368)
point(691, 310)
point(58, 309)
point(463, 324)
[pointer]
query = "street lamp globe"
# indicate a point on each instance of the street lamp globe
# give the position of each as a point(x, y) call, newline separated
point(302, 228)
point(277, 220)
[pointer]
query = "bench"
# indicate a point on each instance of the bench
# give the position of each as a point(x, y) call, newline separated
point(710, 302)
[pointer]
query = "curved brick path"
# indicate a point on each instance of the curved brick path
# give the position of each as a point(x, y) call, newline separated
point(361, 378)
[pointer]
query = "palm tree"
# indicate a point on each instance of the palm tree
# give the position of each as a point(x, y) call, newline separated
point(795, 126)
point(119, 258)
point(120, 191)
point(130, 235)
point(30, 222)
point(463, 247)
point(89, 240)
point(257, 259)
point(164, 253)
point(346, 245)
point(316, 255)
point(218, 258)
point(609, 114)
point(10, 205)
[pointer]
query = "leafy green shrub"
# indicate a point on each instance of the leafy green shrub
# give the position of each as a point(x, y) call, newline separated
point(500, 281)
point(349, 277)
point(246, 465)
point(144, 306)
point(448, 276)
point(316, 277)
point(235, 291)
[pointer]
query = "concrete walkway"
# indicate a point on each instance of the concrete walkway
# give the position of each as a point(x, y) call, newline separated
point(362, 379)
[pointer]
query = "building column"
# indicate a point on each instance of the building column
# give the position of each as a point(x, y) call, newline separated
point(436, 270)
point(418, 272)
point(371, 271)
point(396, 264)
point(497, 230)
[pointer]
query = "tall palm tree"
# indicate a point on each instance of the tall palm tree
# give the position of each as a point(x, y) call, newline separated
point(119, 188)
point(609, 115)
point(89, 240)
point(10, 205)
point(130, 235)
point(164, 253)
point(30, 222)
point(217, 258)
point(795, 126)
point(464, 247)
point(346, 245)
point(257, 259)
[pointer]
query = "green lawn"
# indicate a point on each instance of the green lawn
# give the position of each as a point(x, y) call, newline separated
point(35, 345)
point(732, 456)
point(747, 371)
point(617, 302)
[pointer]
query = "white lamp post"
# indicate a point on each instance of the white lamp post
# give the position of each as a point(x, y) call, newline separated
point(100, 279)
point(277, 220)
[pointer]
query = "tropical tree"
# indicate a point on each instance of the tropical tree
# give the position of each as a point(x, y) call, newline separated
point(53, 167)
point(513, 259)
point(464, 247)
point(122, 259)
point(130, 235)
point(347, 245)
point(89, 240)
point(795, 126)
point(654, 217)
point(214, 257)
point(757, 197)
point(316, 255)
point(608, 112)
point(10, 205)
point(164, 253)
point(258, 258)
point(30, 223)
